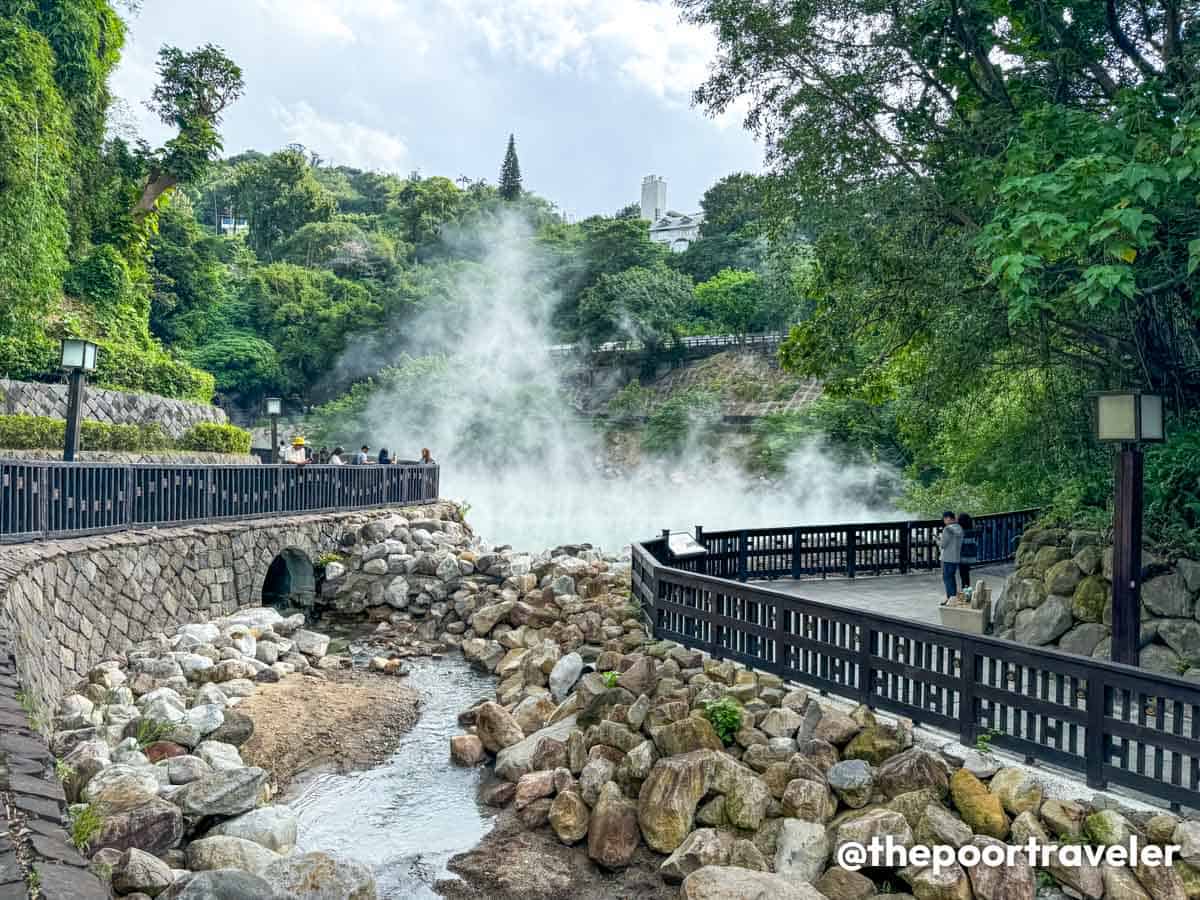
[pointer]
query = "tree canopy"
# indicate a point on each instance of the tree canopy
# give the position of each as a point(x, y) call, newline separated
point(510, 172)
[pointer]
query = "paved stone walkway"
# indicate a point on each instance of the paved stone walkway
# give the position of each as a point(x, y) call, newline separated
point(914, 597)
point(31, 808)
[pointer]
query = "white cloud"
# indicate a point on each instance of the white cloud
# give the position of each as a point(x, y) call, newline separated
point(641, 41)
point(341, 21)
point(342, 142)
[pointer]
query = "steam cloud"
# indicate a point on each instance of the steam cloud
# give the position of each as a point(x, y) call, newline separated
point(534, 472)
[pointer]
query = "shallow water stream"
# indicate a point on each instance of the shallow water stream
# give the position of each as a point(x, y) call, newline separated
point(404, 819)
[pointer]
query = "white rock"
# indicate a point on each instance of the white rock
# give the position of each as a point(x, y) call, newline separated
point(219, 755)
point(274, 827)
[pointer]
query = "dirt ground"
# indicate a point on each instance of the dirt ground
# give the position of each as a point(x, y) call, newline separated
point(511, 863)
point(348, 720)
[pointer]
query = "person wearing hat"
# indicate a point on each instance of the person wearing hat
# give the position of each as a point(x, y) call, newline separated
point(297, 455)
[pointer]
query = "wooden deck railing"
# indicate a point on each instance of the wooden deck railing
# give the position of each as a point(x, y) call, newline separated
point(1115, 724)
point(49, 499)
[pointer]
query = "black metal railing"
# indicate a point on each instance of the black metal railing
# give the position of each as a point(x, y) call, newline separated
point(862, 548)
point(49, 499)
point(1116, 724)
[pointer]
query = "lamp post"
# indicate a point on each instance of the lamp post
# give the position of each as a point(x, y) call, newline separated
point(78, 357)
point(1128, 418)
point(274, 410)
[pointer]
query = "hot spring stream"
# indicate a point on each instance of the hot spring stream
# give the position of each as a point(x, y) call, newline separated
point(405, 818)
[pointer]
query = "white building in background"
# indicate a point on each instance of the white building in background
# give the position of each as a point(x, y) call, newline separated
point(667, 226)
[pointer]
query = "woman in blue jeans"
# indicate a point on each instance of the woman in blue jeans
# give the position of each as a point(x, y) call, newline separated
point(951, 547)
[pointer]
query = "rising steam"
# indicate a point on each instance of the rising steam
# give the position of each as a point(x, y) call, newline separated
point(493, 411)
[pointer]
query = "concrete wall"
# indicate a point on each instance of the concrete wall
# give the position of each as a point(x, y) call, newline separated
point(110, 407)
point(68, 604)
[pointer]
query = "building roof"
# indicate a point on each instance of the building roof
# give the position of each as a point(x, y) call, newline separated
point(673, 220)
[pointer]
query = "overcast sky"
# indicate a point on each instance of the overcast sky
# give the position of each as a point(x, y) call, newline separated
point(596, 91)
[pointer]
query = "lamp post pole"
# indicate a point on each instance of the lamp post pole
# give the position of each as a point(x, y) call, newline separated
point(1127, 556)
point(275, 440)
point(74, 414)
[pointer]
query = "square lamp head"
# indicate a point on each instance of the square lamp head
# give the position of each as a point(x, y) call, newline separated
point(274, 406)
point(78, 354)
point(1129, 417)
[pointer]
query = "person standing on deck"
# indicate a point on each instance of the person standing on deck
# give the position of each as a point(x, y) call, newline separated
point(951, 547)
point(969, 552)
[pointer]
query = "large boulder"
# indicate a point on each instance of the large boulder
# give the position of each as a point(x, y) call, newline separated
point(746, 801)
point(1042, 625)
point(223, 884)
point(1017, 789)
point(876, 823)
point(139, 872)
point(122, 787)
point(1002, 882)
point(913, 770)
point(801, 850)
point(1062, 577)
point(735, 883)
point(224, 852)
point(516, 759)
point(981, 810)
point(319, 876)
point(808, 800)
point(154, 827)
point(703, 847)
point(274, 827)
point(1090, 598)
point(666, 806)
point(226, 793)
point(564, 675)
point(853, 780)
point(1168, 596)
point(569, 817)
point(688, 734)
point(613, 829)
point(497, 727)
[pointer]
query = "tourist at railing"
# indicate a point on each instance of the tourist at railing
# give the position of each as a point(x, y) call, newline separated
point(335, 458)
point(385, 458)
point(426, 459)
point(297, 454)
point(969, 552)
point(950, 544)
point(323, 456)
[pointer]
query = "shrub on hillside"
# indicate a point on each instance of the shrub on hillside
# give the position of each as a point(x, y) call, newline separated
point(209, 437)
point(27, 357)
point(152, 371)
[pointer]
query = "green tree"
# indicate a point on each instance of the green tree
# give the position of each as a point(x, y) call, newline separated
point(740, 303)
point(510, 172)
point(241, 363)
point(192, 93)
point(1001, 196)
point(279, 195)
point(643, 304)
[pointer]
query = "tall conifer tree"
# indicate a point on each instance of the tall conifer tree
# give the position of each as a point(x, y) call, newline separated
point(510, 172)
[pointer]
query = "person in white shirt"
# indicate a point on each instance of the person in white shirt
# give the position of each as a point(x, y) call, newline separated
point(335, 459)
point(362, 458)
point(296, 454)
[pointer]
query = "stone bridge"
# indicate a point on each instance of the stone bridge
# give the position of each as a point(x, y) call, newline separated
point(67, 604)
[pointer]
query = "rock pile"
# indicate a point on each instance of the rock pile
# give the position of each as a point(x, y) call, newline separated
point(745, 785)
point(160, 796)
point(1061, 595)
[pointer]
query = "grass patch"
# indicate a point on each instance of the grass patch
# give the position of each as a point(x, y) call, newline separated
point(85, 824)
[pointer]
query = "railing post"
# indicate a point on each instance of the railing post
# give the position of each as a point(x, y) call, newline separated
point(866, 674)
point(851, 551)
point(795, 553)
point(1095, 743)
point(743, 556)
point(905, 547)
point(44, 500)
point(967, 722)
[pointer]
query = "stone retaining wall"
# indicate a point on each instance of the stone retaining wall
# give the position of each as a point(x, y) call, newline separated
point(109, 407)
point(68, 603)
point(163, 457)
point(1061, 596)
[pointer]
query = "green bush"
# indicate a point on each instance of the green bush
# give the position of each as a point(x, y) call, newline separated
point(209, 437)
point(31, 356)
point(153, 371)
point(726, 717)
point(43, 433)
point(673, 424)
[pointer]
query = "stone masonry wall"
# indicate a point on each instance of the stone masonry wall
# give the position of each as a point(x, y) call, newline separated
point(68, 603)
point(1061, 595)
point(109, 407)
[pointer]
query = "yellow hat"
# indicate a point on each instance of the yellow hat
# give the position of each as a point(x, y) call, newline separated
point(297, 441)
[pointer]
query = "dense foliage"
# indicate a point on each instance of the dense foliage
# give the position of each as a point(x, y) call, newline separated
point(77, 210)
point(1002, 197)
